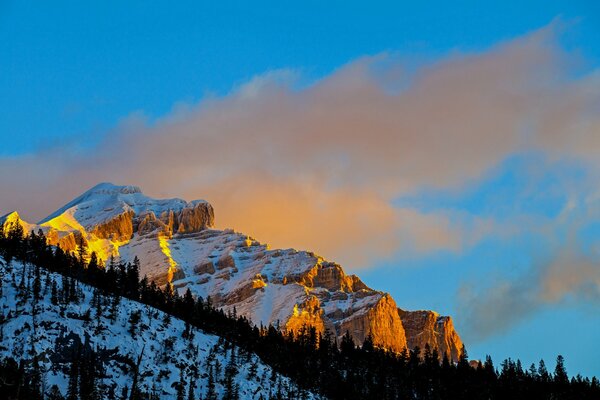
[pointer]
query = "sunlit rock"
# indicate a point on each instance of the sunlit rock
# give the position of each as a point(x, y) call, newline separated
point(428, 327)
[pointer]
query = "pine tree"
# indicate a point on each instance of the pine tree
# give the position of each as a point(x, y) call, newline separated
point(81, 250)
point(134, 319)
point(54, 393)
point(368, 343)
point(37, 284)
point(560, 372)
point(98, 315)
point(463, 360)
point(93, 265)
point(14, 241)
point(211, 394)
point(230, 373)
point(347, 346)
point(35, 379)
point(132, 279)
point(191, 387)
point(252, 371)
point(181, 386)
point(73, 387)
point(54, 293)
point(543, 372)
point(114, 307)
point(166, 320)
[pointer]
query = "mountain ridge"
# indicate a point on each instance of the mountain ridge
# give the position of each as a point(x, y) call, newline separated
point(176, 244)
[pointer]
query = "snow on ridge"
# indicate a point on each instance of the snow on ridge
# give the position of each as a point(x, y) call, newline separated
point(106, 200)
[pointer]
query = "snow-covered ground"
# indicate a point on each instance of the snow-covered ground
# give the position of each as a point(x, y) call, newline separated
point(52, 332)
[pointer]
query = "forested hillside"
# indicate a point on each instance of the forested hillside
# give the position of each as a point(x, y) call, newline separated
point(74, 328)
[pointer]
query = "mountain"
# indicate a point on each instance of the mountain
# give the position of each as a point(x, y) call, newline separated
point(176, 243)
point(122, 341)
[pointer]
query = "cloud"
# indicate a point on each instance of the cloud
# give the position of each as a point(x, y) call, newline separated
point(570, 277)
point(319, 166)
point(567, 273)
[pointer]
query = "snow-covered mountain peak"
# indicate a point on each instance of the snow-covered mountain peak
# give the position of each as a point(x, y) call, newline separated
point(176, 245)
point(106, 201)
point(108, 216)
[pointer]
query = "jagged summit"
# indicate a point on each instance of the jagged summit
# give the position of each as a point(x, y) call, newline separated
point(176, 245)
point(108, 216)
point(105, 201)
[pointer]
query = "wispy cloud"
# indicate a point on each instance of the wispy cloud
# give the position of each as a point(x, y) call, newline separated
point(567, 272)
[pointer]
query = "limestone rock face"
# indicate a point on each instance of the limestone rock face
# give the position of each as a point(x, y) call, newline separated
point(292, 289)
point(226, 262)
point(187, 220)
point(331, 276)
point(195, 219)
point(119, 228)
point(242, 293)
point(381, 321)
point(309, 314)
point(424, 327)
point(148, 223)
point(68, 242)
point(205, 268)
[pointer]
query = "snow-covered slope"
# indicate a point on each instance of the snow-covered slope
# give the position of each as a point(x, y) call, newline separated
point(51, 332)
point(176, 244)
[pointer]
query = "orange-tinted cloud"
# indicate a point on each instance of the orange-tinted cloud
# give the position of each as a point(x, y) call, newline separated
point(318, 167)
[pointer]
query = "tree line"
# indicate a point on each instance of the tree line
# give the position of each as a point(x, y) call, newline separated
point(315, 362)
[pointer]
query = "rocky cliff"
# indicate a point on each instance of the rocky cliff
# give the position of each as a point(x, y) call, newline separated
point(428, 327)
point(175, 243)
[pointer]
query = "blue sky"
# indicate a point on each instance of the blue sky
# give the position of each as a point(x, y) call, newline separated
point(77, 79)
point(80, 68)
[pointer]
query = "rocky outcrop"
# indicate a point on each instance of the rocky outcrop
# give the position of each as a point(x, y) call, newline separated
point(381, 321)
point(226, 261)
point(205, 268)
point(428, 327)
point(244, 292)
point(195, 219)
point(67, 243)
point(332, 277)
point(192, 219)
point(147, 223)
point(308, 314)
point(119, 228)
